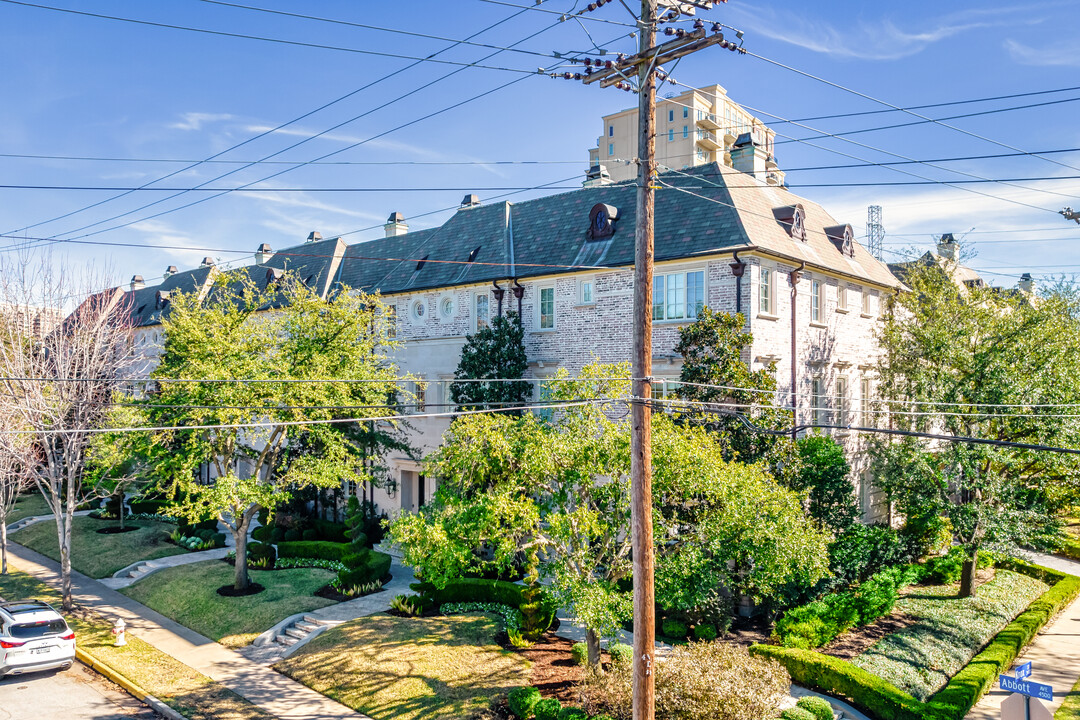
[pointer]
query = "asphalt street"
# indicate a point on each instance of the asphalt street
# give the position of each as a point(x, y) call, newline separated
point(74, 694)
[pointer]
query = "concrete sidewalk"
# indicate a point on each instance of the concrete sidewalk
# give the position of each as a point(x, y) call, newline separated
point(271, 691)
point(1054, 653)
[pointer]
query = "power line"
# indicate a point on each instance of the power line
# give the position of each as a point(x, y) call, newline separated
point(900, 109)
point(281, 41)
point(270, 131)
point(395, 163)
point(563, 16)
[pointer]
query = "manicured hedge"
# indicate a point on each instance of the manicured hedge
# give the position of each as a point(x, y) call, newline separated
point(319, 549)
point(364, 568)
point(886, 702)
point(475, 590)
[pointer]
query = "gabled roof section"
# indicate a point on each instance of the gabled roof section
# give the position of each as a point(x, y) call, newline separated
point(314, 263)
point(147, 304)
point(718, 209)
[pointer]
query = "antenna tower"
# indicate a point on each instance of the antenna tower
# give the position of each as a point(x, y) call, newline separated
point(875, 231)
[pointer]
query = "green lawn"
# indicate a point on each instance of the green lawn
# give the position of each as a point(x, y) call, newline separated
point(188, 595)
point(192, 694)
point(438, 668)
point(921, 658)
point(30, 504)
point(100, 555)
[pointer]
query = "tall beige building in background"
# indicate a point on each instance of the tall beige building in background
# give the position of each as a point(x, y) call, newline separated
point(695, 128)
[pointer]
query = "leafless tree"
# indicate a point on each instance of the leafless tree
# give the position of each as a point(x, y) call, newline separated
point(14, 480)
point(58, 381)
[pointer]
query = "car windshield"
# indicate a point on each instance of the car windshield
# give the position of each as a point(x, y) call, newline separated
point(29, 631)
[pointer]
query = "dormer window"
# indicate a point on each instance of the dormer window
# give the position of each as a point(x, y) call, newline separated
point(843, 237)
point(602, 221)
point(273, 276)
point(162, 299)
point(793, 219)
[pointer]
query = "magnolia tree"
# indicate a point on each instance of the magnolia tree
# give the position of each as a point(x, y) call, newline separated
point(60, 380)
point(559, 490)
point(988, 364)
point(257, 372)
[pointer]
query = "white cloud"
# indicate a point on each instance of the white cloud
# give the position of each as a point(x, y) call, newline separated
point(195, 120)
point(873, 39)
point(1063, 53)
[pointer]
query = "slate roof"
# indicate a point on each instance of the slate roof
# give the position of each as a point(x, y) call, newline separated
point(717, 209)
point(143, 302)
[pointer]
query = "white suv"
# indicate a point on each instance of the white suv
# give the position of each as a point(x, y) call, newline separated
point(33, 637)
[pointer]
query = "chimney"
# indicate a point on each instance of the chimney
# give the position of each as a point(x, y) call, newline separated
point(207, 262)
point(314, 236)
point(470, 201)
point(262, 254)
point(947, 247)
point(169, 272)
point(596, 176)
point(137, 282)
point(748, 157)
point(396, 225)
point(1027, 284)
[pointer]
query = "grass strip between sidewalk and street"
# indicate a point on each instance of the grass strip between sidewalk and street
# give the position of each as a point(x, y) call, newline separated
point(190, 693)
point(100, 555)
point(188, 595)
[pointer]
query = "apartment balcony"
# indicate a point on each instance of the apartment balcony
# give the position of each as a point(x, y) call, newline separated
point(709, 140)
point(708, 121)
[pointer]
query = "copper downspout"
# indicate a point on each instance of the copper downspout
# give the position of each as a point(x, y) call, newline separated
point(737, 269)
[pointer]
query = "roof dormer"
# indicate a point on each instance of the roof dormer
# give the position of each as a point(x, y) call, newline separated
point(602, 221)
point(793, 220)
point(843, 237)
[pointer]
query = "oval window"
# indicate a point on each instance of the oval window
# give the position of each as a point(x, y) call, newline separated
point(447, 306)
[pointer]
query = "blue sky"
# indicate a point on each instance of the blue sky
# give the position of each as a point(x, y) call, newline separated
point(84, 86)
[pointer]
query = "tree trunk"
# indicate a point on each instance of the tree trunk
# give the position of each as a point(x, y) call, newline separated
point(592, 640)
point(967, 575)
point(240, 536)
point(65, 558)
point(3, 547)
point(121, 511)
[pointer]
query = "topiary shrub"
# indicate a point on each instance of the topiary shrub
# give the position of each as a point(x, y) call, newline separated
point(579, 652)
point(364, 568)
point(310, 535)
point(277, 534)
point(573, 713)
point(621, 654)
point(331, 531)
point(705, 633)
point(547, 709)
point(292, 535)
point(796, 713)
point(818, 707)
point(675, 629)
point(522, 700)
point(261, 556)
point(262, 534)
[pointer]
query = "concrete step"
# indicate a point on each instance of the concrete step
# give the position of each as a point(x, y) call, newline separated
point(311, 619)
point(307, 626)
point(286, 640)
point(296, 632)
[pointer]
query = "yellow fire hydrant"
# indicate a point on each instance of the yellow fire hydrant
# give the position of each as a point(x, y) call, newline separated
point(118, 631)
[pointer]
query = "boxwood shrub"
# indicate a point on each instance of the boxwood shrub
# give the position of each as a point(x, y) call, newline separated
point(796, 713)
point(886, 702)
point(319, 549)
point(548, 709)
point(522, 700)
point(818, 707)
point(364, 568)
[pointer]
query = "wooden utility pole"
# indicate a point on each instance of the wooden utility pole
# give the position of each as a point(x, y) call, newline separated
point(641, 415)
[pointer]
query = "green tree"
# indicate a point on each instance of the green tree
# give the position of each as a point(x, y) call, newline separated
point(989, 364)
point(825, 475)
point(712, 348)
point(496, 352)
point(257, 371)
point(560, 489)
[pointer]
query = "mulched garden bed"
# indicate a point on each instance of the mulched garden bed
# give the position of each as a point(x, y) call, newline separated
point(554, 673)
point(117, 529)
point(231, 591)
point(748, 631)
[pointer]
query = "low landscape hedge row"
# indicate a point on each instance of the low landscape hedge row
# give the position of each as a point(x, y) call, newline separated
point(538, 615)
point(320, 549)
point(886, 702)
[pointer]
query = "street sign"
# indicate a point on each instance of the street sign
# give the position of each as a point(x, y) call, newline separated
point(1021, 707)
point(1023, 671)
point(1026, 687)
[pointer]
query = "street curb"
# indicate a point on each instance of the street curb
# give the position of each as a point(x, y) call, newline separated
point(134, 690)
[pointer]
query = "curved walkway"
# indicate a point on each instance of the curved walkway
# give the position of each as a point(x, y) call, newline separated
point(1054, 653)
point(271, 691)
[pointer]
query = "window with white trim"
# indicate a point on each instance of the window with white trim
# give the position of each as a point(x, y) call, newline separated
point(841, 403)
point(546, 308)
point(766, 294)
point(818, 401)
point(817, 300)
point(585, 292)
point(483, 311)
point(390, 321)
point(867, 300)
point(678, 296)
point(420, 395)
point(864, 403)
point(841, 297)
point(447, 306)
point(419, 309)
